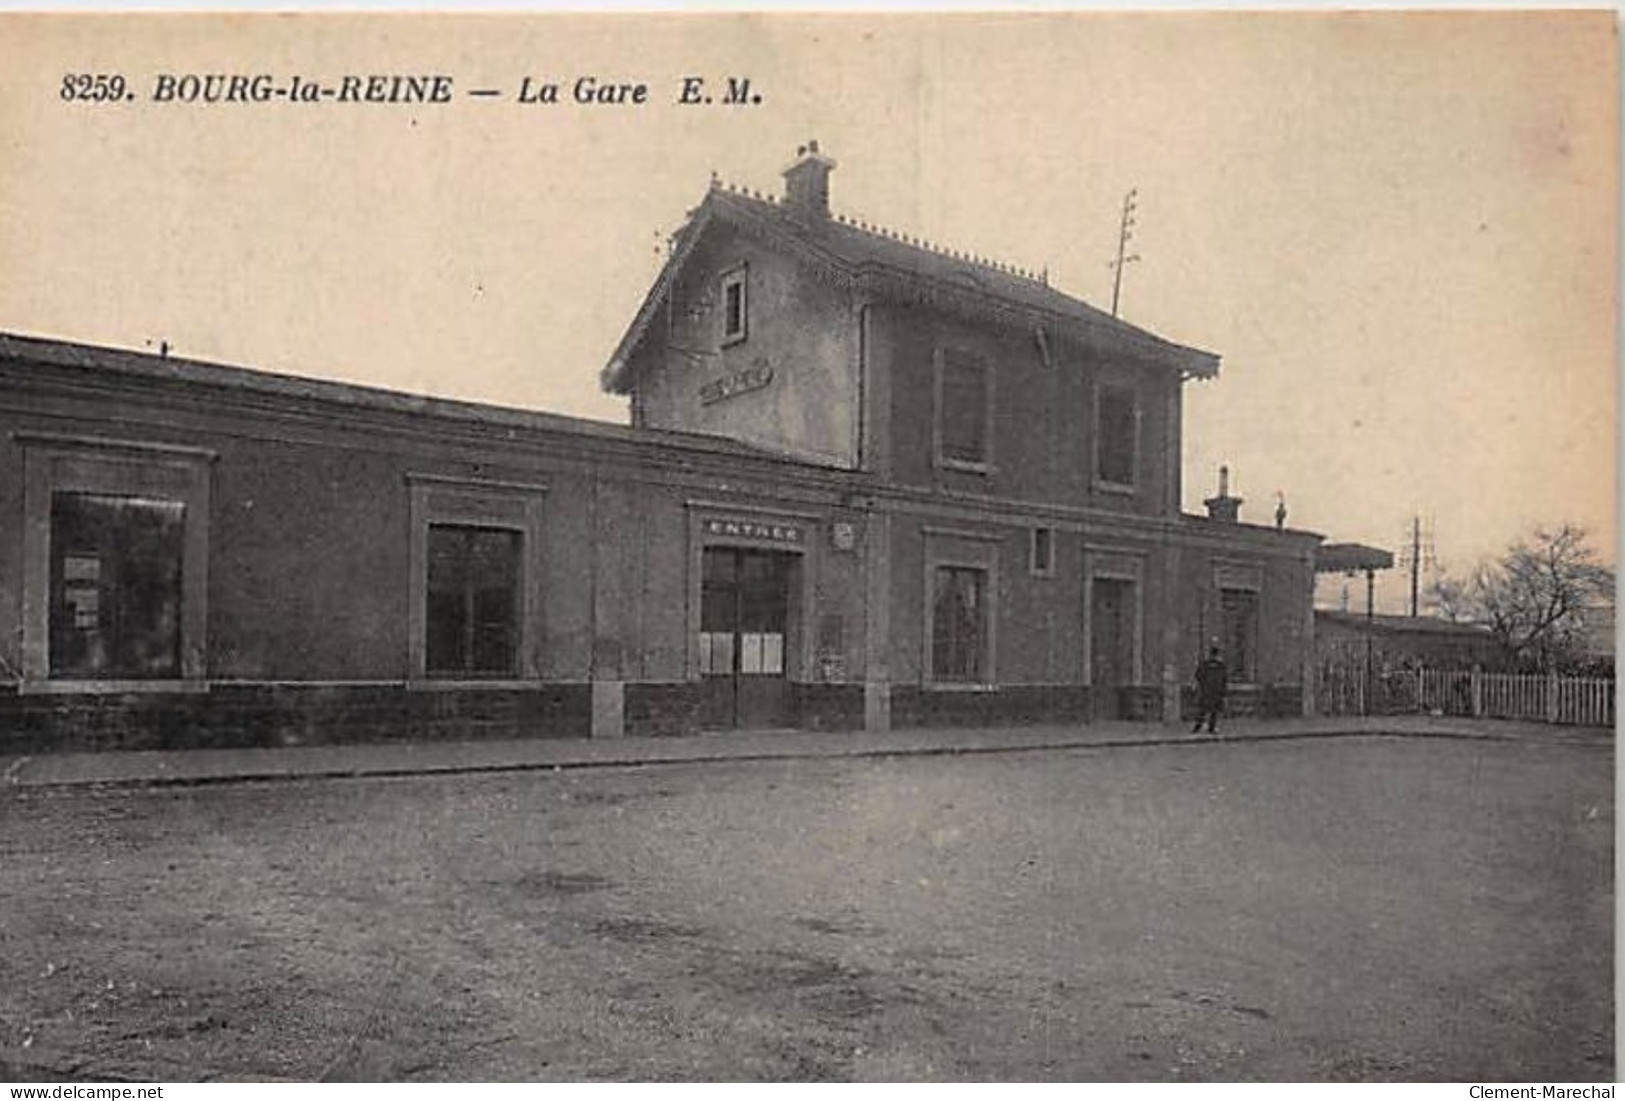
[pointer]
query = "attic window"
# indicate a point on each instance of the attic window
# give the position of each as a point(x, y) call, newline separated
point(735, 305)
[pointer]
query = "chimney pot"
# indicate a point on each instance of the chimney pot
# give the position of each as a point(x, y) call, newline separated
point(806, 183)
point(1224, 507)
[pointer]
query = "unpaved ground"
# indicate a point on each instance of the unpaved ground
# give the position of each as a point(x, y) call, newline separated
point(1353, 909)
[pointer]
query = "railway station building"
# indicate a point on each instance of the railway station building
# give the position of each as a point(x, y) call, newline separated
point(868, 483)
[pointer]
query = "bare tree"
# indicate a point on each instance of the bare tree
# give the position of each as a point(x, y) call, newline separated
point(1534, 598)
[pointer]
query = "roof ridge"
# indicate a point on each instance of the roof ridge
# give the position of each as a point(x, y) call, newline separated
point(1003, 268)
point(852, 221)
point(719, 184)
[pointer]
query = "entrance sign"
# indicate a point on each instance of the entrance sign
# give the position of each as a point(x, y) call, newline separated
point(768, 530)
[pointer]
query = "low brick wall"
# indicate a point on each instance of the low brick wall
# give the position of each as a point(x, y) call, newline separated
point(1252, 701)
point(1010, 705)
point(234, 716)
point(828, 706)
point(662, 710)
point(250, 715)
point(1026, 705)
point(1140, 703)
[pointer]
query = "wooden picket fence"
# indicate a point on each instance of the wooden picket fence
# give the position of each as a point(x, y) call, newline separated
point(1573, 701)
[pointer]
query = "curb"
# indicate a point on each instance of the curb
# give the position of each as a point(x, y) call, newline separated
point(788, 752)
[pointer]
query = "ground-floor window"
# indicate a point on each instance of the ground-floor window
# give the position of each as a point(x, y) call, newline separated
point(115, 607)
point(472, 591)
point(1238, 610)
point(959, 624)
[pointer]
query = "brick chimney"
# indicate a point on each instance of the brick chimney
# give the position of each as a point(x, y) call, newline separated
point(806, 183)
point(1223, 507)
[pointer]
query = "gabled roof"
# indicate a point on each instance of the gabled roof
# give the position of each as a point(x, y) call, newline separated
point(895, 266)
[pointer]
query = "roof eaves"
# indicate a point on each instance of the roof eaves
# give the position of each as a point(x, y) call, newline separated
point(249, 382)
point(612, 379)
point(1190, 362)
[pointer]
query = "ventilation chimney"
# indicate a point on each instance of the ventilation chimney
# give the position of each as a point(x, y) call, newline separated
point(1223, 507)
point(806, 183)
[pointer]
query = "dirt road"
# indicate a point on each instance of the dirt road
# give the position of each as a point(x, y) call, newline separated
point(1355, 909)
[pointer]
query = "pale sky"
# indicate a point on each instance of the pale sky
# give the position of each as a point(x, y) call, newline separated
point(1399, 231)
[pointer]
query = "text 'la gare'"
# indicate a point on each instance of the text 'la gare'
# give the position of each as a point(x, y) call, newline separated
point(601, 91)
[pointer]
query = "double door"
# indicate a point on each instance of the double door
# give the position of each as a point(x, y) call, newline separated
point(744, 617)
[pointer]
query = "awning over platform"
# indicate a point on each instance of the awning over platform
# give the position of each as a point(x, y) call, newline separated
point(1351, 558)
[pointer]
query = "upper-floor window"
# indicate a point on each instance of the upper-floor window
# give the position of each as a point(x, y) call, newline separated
point(735, 305)
point(964, 410)
point(1117, 433)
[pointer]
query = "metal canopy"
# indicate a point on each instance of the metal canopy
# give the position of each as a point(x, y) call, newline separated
point(1351, 558)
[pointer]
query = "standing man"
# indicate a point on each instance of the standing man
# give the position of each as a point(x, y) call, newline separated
point(1212, 681)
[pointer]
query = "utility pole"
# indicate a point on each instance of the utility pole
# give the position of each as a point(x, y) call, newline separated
point(1125, 233)
point(1418, 557)
point(1370, 633)
point(1416, 561)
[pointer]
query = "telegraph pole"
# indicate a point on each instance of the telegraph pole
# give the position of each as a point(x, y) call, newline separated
point(1418, 557)
point(1125, 233)
point(1416, 561)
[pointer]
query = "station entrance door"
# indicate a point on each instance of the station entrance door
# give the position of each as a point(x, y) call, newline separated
point(744, 616)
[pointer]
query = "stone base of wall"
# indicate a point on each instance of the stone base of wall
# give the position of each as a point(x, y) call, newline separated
point(254, 715)
point(1029, 705)
point(1252, 701)
point(233, 716)
point(828, 706)
point(1010, 705)
point(662, 710)
point(1141, 703)
point(673, 709)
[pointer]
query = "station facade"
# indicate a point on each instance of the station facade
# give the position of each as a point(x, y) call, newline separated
point(868, 483)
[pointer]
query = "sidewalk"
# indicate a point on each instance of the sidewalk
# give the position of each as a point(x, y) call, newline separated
point(204, 766)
